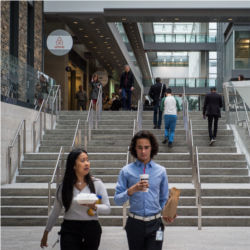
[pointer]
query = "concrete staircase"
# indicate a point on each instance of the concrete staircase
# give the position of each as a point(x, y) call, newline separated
point(224, 174)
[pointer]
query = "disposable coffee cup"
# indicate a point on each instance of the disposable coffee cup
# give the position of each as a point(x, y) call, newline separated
point(144, 177)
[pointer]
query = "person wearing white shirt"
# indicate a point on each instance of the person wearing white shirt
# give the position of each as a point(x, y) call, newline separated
point(169, 107)
point(80, 229)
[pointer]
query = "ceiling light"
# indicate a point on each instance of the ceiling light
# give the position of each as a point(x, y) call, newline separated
point(94, 47)
point(108, 47)
point(230, 19)
point(80, 28)
point(102, 36)
point(86, 36)
point(176, 19)
point(90, 42)
point(162, 19)
point(75, 22)
point(92, 22)
point(107, 38)
point(105, 42)
point(90, 19)
point(97, 29)
point(124, 19)
point(108, 64)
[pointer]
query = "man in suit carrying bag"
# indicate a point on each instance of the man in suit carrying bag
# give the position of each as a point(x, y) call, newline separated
point(211, 109)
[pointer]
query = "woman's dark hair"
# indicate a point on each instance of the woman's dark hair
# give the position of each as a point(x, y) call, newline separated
point(241, 77)
point(70, 178)
point(143, 134)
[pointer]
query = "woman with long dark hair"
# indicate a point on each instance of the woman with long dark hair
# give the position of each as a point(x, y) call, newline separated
point(79, 230)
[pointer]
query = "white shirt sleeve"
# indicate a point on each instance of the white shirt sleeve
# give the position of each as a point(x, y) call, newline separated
point(56, 210)
point(104, 207)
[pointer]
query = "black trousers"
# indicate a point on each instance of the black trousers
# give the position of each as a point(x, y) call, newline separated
point(211, 119)
point(142, 234)
point(80, 235)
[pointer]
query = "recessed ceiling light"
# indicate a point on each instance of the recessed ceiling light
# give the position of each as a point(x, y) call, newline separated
point(97, 29)
point(105, 42)
point(230, 19)
point(101, 36)
point(107, 38)
point(86, 36)
point(90, 42)
point(162, 19)
point(75, 22)
point(177, 19)
point(90, 19)
point(108, 47)
point(92, 22)
point(94, 47)
point(108, 64)
point(80, 28)
point(124, 19)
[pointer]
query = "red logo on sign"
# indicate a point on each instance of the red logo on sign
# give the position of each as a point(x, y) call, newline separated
point(59, 43)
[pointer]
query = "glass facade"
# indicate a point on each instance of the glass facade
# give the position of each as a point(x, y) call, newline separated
point(242, 50)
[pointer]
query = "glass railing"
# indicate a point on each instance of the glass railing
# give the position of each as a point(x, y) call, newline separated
point(191, 82)
point(21, 84)
point(179, 38)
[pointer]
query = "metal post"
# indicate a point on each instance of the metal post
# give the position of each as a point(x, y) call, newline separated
point(44, 119)
point(24, 136)
point(49, 197)
point(19, 151)
point(85, 135)
point(9, 164)
point(60, 98)
point(41, 126)
point(52, 111)
point(34, 136)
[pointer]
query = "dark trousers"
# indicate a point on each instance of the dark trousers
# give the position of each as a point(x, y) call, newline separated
point(80, 235)
point(126, 99)
point(142, 234)
point(82, 105)
point(157, 115)
point(212, 133)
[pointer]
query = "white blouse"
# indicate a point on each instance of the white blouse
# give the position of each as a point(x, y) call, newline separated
point(76, 211)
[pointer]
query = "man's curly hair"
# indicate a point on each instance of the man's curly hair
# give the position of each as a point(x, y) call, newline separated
point(144, 134)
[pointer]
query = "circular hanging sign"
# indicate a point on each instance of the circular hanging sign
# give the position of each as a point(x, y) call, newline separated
point(59, 42)
point(103, 77)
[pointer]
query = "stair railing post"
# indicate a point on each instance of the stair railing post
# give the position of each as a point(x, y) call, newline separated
point(24, 137)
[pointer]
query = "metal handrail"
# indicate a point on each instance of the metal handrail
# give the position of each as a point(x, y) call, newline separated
point(139, 115)
point(125, 205)
point(98, 106)
point(194, 157)
point(17, 137)
point(88, 126)
point(42, 122)
point(58, 172)
point(198, 190)
point(77, 130)
point(56, 99)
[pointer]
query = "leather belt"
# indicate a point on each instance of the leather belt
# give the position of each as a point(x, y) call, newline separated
point(148, 218)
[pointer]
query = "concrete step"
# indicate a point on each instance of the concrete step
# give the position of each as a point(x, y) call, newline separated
point(100, 164)
point(113, 149)
point(146, 122)
point(183, 201)
point(111, 171)
point(117, 211)
point(195, 126)
point(113, 178)
point(104, 117)
point(117, 221)
point(222, 164)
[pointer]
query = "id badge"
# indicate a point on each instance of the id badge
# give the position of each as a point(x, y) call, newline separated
point(159, 235)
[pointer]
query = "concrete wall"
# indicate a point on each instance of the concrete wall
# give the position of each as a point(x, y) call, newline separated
point(11, 116)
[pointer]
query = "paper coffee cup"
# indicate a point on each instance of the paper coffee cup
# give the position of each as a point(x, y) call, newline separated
point(144, 177)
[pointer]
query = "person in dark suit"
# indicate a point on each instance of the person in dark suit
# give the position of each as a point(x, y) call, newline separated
point(157, 92)
point(211, 109)
point(126, 87)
